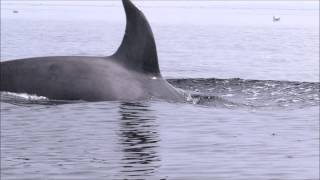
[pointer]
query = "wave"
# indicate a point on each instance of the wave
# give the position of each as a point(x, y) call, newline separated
point(28, 99)
point(227, 93)
point(252, 93)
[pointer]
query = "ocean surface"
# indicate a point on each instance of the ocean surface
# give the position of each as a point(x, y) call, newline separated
point(252, 110)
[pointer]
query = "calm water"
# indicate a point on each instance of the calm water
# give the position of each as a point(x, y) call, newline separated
point(253, 85)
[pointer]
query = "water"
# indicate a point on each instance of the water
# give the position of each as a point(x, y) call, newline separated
point(253, 85)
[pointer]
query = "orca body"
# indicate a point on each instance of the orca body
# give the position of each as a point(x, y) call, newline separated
point(131, 73)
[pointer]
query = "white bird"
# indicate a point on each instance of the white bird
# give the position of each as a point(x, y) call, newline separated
point(276, 18)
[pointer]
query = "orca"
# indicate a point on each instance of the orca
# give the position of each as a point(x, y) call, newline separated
point(131, 73)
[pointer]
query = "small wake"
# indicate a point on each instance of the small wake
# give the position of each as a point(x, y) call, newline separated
point(29, 99)
point(225, 93)
point(22, 96)
point(250, 93)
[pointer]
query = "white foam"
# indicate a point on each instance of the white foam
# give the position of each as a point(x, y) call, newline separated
point(30, 97)
point(227, 95)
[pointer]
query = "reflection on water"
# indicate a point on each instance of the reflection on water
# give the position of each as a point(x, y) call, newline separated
point(139, 138)
point(157, 140)
point(112, 140)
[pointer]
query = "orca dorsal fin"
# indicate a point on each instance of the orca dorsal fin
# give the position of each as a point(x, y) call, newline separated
point(138, 48)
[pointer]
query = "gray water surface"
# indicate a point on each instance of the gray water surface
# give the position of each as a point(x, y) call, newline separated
point(253, 84)
point(154, 140)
